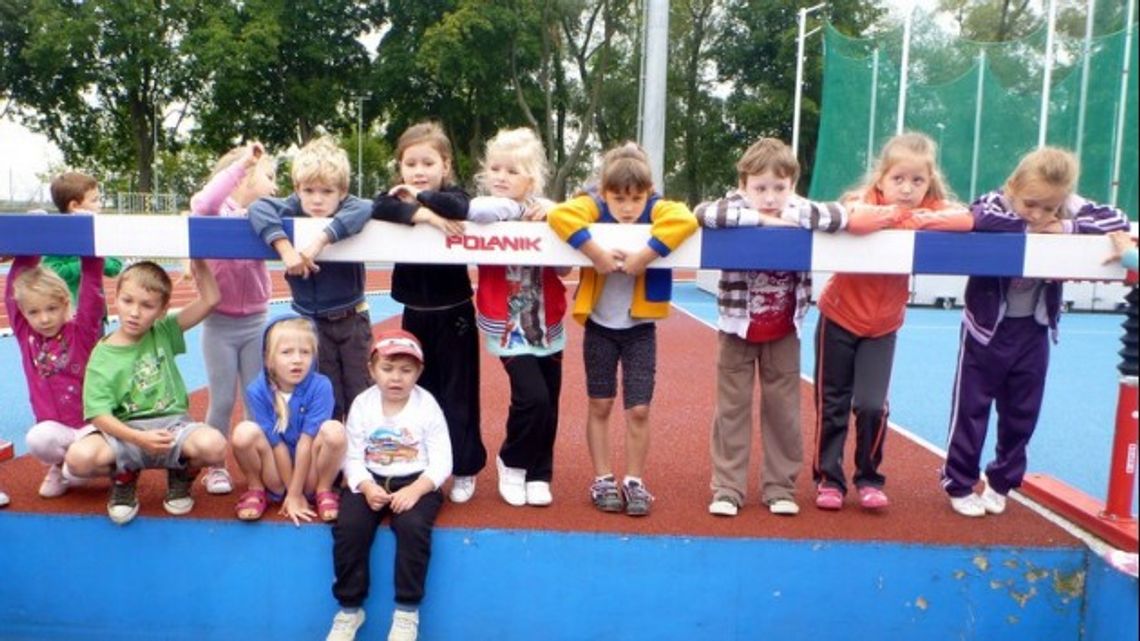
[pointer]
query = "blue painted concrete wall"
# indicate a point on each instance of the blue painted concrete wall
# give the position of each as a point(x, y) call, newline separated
point(72, 577)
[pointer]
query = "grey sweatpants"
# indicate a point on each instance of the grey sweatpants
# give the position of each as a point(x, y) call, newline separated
point(231, 348)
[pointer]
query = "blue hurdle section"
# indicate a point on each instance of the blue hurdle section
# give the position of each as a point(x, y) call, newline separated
point(198, 579)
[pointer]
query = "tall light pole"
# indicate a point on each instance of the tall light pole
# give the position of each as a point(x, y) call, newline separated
point(654, 56)
point(360, 144)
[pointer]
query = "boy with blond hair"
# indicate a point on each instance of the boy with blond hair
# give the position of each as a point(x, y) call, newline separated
point(759, 317)
point(331, 294)
point(134, 395)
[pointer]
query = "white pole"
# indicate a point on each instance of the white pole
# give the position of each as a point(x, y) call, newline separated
point(655, 56)
point(900, 121)
point(359, 146)
point(1047, 81)
point(1086, 53)
point(978, 124)
point(1122, 108)
point(801, 23)
point(641, 74)
point(801, 37)
point(874, 107)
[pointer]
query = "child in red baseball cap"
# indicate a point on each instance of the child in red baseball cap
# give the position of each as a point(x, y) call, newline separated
point(399, 454)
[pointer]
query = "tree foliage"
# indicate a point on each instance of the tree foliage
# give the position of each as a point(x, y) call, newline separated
point(107, 79)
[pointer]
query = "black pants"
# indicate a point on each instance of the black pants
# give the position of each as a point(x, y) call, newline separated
point(342, 356)
point(354, 531)
point(451, 373)
point(852, 374)
point(532, 421)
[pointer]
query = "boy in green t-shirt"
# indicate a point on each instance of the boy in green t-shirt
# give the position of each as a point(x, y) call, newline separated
point(76, 193)
point(134, 394)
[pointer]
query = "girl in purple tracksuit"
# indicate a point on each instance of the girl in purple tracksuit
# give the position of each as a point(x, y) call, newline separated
point(1006, 330)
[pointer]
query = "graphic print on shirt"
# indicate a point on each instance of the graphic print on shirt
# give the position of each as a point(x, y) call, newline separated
point(52, 355)
point(771, 295)
point(148, 389)
point(524, 308)
point(386, 445)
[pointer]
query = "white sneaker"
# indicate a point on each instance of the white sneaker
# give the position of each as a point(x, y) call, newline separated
point(462, 489)
point(723, 507)
point(969, 505)
point(345, 625)
point(784, 507)
point(538, 493)
point(217, 481)
point(405, 626)
point(512, 483)
point(3, 499)
point(54, 484)
point(993, 502)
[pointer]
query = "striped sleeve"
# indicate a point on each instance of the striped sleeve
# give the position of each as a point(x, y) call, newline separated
point(1087, 217)
point(816, 216)
point(992, 212)
point(730, 211)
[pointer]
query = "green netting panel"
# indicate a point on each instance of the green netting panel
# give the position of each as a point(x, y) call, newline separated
point(943, 96)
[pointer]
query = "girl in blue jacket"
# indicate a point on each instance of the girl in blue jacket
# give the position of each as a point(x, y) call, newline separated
point(292, 449)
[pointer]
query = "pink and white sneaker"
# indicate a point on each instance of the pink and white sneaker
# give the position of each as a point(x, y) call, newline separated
point(872, 498)
point(217, 481)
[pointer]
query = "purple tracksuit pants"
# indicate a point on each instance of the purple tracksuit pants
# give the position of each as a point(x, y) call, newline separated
point(1009, 372)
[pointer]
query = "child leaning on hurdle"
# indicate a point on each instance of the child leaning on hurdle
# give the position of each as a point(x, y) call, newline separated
point(1006, 327)
point(619, 300)
point(759, 315)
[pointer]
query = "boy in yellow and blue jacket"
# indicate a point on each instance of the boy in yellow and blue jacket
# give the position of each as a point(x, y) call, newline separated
point(618, 300)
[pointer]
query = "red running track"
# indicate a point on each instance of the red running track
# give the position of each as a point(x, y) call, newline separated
point(678, 469)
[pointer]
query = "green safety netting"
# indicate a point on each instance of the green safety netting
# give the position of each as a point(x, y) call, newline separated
point(948, 77)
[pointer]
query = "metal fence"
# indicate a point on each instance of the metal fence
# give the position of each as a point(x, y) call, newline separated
point(130, 202)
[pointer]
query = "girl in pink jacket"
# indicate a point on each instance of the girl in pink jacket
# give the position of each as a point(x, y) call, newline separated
point(231, 335)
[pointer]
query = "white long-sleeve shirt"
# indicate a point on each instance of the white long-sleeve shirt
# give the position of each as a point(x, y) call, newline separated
point(413, 441)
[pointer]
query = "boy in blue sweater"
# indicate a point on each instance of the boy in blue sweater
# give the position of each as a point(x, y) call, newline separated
point(331, 294)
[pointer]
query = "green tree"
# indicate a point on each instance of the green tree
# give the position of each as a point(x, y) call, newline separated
point(278, 71)
point(756, 57)
point(477, 66)
point(96, 77)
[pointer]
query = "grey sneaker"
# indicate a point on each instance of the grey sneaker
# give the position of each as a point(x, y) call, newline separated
point(604, 493)
point(637, 498)
point(123, 505)
point(178, 483)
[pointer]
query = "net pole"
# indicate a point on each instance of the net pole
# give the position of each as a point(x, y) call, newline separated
point(1122, 107)
point(874, 106)
point(980, 95)
point(1082, 104)
point(1047, 81)
point(900, 119)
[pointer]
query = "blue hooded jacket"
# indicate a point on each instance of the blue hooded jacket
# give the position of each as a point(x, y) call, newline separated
point(310, 405)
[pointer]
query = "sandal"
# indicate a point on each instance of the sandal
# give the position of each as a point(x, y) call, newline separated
point(328, 505)
point(251, 505)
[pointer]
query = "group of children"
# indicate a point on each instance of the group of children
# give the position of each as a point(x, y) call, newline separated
point(348, 429)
